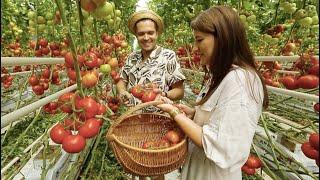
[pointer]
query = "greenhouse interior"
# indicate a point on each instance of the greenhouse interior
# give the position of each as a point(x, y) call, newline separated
point(160, 89)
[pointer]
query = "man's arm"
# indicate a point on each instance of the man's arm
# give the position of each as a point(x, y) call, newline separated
point(177, 91)
point(121, 86)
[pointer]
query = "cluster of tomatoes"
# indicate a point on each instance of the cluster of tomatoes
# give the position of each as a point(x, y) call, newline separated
point(6, 81)
point(309, 68)
point(145, 93)
point(15, 49)
point(84, 123)
point(311, 147)
point(45, 49)
point(252, 163)
point(113, 103)
point(171, 138)
point(51, 107)
point(41, 83)
point(194, 54)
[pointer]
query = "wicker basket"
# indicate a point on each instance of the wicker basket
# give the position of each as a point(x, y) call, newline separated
point(130, 131)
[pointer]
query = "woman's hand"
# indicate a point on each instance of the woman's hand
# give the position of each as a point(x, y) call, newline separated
point(187, 110)
point(166, 107)
point(163, 99)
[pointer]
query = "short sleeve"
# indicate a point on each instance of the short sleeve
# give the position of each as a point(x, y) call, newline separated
point(227, 138)
point(173, 70)
point(228, 134)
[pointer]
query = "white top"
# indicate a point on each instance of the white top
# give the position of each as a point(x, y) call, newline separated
point(228, 119)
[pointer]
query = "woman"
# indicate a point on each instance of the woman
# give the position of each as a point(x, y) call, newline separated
point(222, 124)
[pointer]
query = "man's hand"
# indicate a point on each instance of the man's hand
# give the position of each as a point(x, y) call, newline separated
point(125, 96)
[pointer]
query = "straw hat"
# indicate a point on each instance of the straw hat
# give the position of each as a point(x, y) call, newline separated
point(145, 14)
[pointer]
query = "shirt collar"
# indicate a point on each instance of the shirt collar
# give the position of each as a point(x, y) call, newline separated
point(154, 54)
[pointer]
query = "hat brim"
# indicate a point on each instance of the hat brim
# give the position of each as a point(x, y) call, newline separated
point(145, 14)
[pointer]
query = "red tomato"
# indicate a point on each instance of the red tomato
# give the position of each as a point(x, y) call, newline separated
point(268, 81)
point(247, 170)
point(148, 96)
point(149, 145)
point(113, 62)
point(73, 143)
point(253, 162)
point(308, 82)
point(316, 107)
point(89, 80)
point(91, 60)
point(289, 82)
point(38, 89)
point(33, 80)
point(88, 5)
point(58, 133)
point(314, 140)
point(71, 74)
point(309, 151)
point(46, 74)
point(163, 143)
point(45, 51)
point(90, 128)
point(68, 60)
point(89, 106)
point(172, 137)
point(43, 42)
point(137, 91)
point(63, 99)
point(102, 109)
point(314, 70)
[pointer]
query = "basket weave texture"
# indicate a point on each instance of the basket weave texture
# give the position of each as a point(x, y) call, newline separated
point(129, 132)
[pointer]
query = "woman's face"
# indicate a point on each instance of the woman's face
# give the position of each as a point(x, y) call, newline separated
point(204, 42)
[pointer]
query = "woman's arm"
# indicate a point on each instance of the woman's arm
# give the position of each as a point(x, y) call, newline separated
point(190, 128)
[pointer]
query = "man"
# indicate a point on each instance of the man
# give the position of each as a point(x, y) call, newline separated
point(152, 63)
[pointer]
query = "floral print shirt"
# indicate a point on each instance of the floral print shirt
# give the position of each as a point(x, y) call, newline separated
point(161, 68)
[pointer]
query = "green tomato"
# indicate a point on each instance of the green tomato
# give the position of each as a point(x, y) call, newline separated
point(315, 20)
point(32, 23)
point(49, 16)
point(41, 27)
point(50, 22)
point(118, 13)
point(243, 18)
point(41, 20)
point(301, 13)
point(105, 68)
point(110, 22)
point(274, 40)
point(251, 18)
point(306, 22)
point(31, 14)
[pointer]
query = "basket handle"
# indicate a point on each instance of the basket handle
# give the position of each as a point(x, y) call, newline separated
point(110, 136)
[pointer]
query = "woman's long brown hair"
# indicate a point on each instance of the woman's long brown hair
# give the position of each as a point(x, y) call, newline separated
point(231, 46)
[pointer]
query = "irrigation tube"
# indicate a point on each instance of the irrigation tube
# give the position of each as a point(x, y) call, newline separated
point(280, 58)
point(295, 94)
point(15, 115)
point(288, 122)
point(14, 61)
point(17, 73)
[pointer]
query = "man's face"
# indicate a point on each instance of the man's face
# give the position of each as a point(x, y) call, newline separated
point(146, 34)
